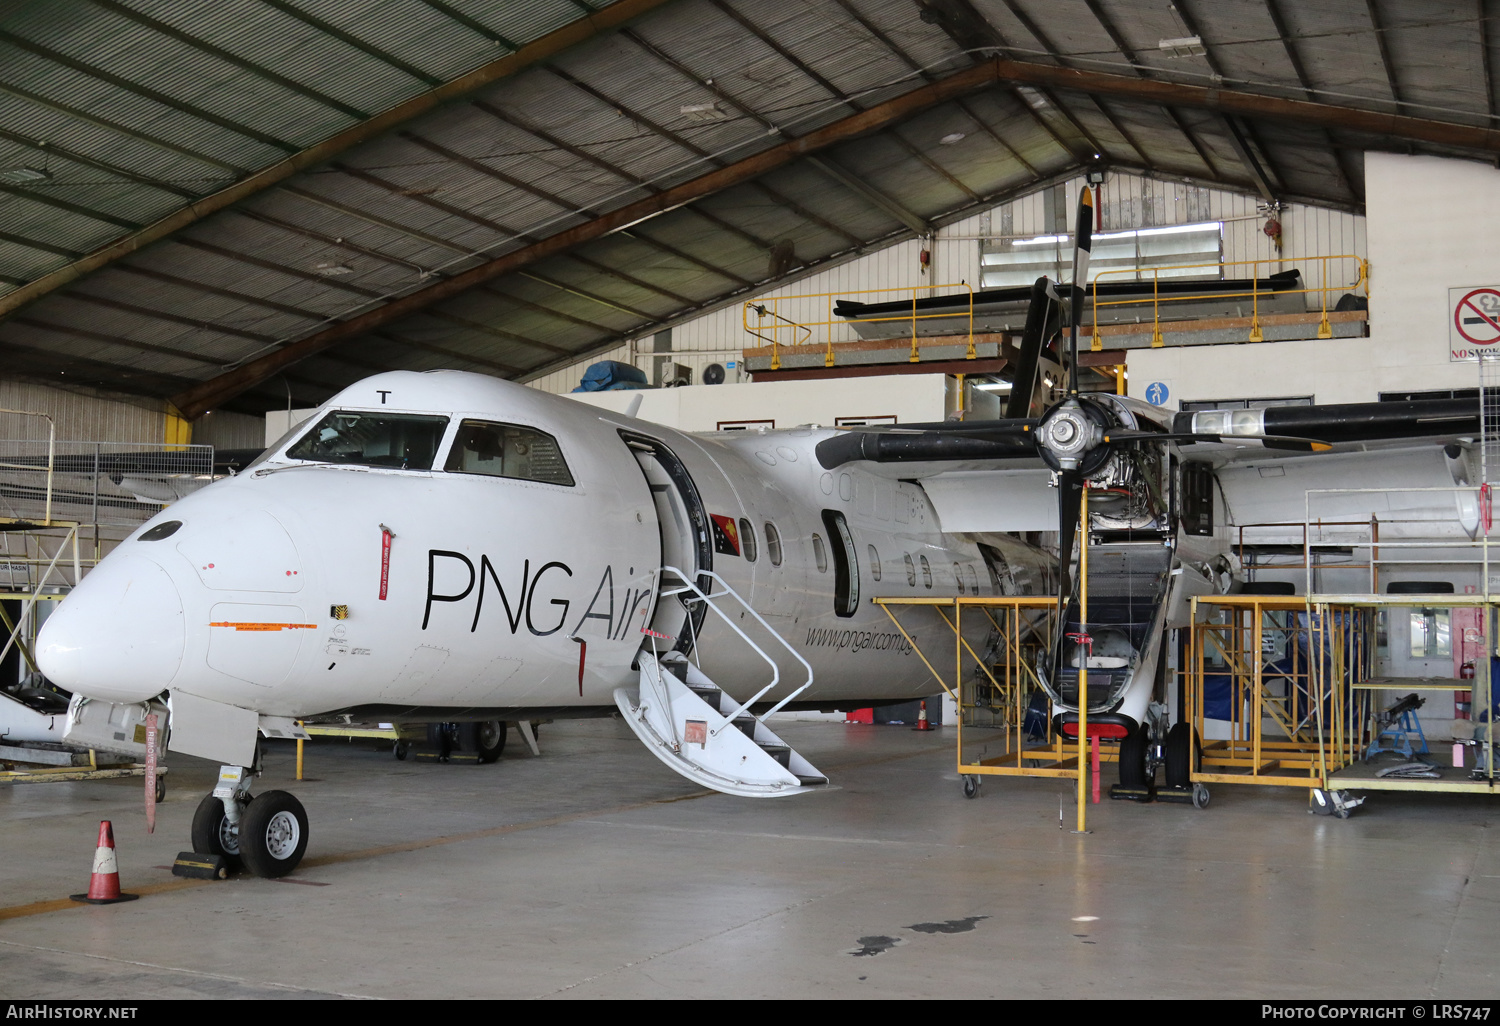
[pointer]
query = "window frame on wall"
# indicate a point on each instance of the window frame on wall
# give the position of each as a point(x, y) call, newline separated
point(1178, 250)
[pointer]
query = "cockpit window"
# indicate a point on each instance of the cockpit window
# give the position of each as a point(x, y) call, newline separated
point(507, 450)
point(404, 440)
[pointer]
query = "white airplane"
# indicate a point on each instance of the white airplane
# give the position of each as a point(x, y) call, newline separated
point(445, 546)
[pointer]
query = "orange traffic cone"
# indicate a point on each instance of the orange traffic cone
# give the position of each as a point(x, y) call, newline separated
point(922, 722)
point(104, 884)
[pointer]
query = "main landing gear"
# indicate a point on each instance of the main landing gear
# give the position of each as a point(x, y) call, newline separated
point(266, 834)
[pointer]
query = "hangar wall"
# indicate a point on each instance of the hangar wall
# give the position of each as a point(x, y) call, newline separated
point(1431, 227)
point(1130, 201)
point(79, 415)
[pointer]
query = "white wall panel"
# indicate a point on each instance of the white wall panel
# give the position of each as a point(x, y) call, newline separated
point(1426, 235)
point(78, 416)
point(1129, 201)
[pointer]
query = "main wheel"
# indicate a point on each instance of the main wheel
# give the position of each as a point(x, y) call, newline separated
point(1133, 759)
point(212, 833)
point(486, 739)
point(1178, 754)
point(273, 834)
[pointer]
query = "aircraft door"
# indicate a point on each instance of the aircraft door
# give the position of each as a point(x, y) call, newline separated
point(685, 539)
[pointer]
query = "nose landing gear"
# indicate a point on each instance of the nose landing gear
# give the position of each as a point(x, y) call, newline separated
point(266, 834)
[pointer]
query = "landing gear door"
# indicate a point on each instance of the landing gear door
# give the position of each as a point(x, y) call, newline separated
point(685, 539)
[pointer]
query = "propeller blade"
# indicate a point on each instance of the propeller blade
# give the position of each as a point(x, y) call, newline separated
point(1041, 317)
point(1286, 442)
point(1083, 245)
point(890, 447)
point(1349, 422)
point(1070, 485)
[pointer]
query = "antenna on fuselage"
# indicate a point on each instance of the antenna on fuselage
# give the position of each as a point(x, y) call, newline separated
point(635, 406)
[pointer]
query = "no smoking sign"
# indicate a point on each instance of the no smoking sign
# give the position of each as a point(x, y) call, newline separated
point(1473, 322)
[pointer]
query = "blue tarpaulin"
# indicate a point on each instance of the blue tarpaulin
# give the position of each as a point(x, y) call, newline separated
point(611, 376)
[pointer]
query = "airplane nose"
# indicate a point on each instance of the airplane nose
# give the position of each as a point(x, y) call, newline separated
point(119, 636)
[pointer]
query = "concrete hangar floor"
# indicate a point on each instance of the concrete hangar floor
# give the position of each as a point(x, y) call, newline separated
point(595, 872)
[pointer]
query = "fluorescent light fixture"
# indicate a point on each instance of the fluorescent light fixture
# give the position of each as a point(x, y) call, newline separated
point(1034, 99)
point(1183, 46)
point(1044, 240)
point(332, 270)
point(703, 112)
point(951, 138)
point(23, 175)
point(994, 386)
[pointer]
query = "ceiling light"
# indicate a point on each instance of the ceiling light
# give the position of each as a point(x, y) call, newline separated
point(332, 270)
point(951, 138)
point(994, 386)
point(703, 112)
point(23, 175)
point(1184, 46)
point(1034, 99)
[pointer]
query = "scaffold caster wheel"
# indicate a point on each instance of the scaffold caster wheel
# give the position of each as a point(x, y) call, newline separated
point(161, 788)
point(399, 750)
point(971, 786)
point(1200, 796)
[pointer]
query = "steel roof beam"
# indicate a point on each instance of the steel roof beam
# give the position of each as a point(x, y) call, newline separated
point(1385, 52)
point(48, 149)
point(771, 127)
point(1486, 61)
point(574, 290)
point(870, 194)
point(546, 311)
point(604, 20)
point(145, 92)
point(451, 12)
point(229, 58)
point(613, 169)
point(969, 80)
point(453, 354)
point(349, 39)
point(562, 204)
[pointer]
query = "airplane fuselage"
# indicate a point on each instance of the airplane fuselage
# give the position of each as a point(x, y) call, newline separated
point(308, 586)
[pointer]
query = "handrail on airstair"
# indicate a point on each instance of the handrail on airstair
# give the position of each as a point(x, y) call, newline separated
point(688, 585)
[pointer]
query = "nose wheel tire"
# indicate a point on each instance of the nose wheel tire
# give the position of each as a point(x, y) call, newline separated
point(212, 833)
point(1133, 758)
point(273, 834)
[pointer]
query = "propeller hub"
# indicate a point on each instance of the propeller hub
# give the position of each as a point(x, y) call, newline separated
point(1071, 431)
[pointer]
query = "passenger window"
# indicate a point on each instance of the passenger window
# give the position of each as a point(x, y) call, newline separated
point(747, 540)
point(874, 562)
point(507, 450)
point(773, 544)
point(405, 441)
point(820, 554)
point(911, 571)
point(926, 572)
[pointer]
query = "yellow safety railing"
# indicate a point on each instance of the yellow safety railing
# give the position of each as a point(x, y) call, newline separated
point(1256, 292)
point(790, 321)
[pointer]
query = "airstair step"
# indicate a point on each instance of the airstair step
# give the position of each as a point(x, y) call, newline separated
point(710, 695)
point(746, 725)
point(781, 753)
point(811, 781)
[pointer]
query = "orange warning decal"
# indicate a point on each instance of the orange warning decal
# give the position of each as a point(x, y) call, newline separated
point(265, 626)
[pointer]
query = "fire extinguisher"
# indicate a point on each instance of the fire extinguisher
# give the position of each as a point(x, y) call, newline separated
point(1462, 699)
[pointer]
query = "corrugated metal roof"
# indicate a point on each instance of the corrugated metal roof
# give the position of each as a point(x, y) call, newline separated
point(193, 97)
